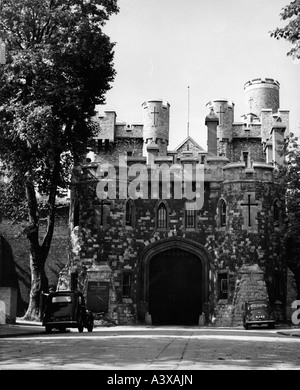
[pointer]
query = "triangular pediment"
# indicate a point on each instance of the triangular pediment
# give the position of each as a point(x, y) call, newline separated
point(189, 144)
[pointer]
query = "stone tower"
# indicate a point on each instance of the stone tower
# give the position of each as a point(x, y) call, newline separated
point(261, 94)
point(156, 128)
point(225, 111)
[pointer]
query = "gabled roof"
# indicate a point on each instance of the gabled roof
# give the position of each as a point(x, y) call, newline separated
point(190, 140)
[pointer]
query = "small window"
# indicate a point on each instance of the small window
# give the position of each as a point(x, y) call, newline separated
point(127, 285)
point(223, 285)
point(222, 213)
point(246, 159)
point(162, 216)
point(129, 214)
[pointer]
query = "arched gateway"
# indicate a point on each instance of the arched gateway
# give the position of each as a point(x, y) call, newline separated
point(174, 281)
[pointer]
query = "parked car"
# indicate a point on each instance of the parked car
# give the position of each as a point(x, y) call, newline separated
point(258, 312)
point(66, 309)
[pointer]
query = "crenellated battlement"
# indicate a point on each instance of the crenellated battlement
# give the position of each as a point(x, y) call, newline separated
point(261, 81)
point(256, 172)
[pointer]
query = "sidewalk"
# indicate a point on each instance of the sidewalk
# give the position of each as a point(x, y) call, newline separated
point(27, 328)
point(21, 328)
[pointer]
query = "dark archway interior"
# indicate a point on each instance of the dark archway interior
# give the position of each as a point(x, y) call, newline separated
point(175, 288)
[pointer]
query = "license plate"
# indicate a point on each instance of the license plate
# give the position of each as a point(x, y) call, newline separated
point(59, 319)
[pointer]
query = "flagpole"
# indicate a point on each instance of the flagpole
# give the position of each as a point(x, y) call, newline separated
point(188, 123)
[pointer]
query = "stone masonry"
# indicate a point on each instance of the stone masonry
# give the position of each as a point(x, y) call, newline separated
point(135, 258)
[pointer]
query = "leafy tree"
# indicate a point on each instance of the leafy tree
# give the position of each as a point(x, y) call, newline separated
point(59, 65)
point(289, 175)
point(290, 32)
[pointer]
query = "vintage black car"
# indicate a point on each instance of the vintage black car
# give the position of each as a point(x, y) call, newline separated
point(66, 309)
point(258, 312)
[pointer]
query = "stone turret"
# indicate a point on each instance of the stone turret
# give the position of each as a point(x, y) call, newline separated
point(156, 128)
point(212, 121)
point(261, 94)
point(225, 111)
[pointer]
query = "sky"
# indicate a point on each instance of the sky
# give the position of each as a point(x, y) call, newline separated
point(214, 47)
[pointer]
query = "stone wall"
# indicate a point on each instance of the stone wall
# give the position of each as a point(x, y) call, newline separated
point(18, 244)
point(128, 131)
point(253, 146)
point(250, 285)
point(120, 246)
point(8, 305)
point(119, 148)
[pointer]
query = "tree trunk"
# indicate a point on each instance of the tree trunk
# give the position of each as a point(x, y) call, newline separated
point(39, 284)
point(38, 252)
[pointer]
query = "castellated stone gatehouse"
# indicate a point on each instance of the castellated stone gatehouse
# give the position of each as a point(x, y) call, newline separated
point(159, 259)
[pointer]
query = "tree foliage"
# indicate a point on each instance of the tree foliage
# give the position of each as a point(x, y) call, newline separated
point(59, 65)
point(288, 176)
point(291, 31)
point(292, 175)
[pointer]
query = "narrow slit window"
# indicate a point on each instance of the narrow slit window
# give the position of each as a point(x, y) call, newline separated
point(129, 213)
point(246, 159)
point(222, 213)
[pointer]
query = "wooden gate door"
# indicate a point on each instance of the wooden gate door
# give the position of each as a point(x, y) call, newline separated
point(175, 288)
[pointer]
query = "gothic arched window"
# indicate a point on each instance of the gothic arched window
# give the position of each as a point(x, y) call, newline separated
point(162, 216)
point(222, 213)
point(129, 213)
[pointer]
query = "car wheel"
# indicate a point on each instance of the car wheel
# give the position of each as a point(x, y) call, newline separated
point(247, 326)
point(80, 326)
point(90, 327)
point(48, 329)
point(62, 329)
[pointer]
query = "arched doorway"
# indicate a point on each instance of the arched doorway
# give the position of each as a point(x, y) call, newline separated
point(175, 293)
point(174, 281)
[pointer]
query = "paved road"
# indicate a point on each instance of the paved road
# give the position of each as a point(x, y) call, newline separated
point(152, 348)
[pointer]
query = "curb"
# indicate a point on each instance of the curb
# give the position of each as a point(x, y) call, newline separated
point(6, 335)
point(289, 334)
